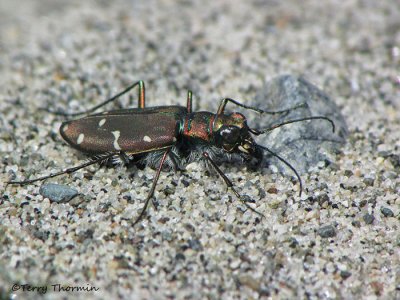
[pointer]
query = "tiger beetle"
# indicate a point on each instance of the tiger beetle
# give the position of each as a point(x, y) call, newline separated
point(167, 135)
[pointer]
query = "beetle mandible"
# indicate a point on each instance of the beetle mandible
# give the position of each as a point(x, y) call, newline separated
point(166, 135)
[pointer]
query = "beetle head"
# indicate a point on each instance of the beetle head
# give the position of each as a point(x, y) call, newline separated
point(232, 134)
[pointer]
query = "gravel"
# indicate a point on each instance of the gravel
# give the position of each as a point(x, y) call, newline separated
point(198, 241)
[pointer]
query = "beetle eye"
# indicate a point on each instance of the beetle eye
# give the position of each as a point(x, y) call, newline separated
point(230, 134)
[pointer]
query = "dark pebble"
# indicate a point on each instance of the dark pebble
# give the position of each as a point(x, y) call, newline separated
point(169, 191)
point(180, 256)
point(57, 192)
point(348, 173)
point(293, 243)
point(322, 198)
point(185, 183)
point(368, 181)
point(195, 244)
point(368, 218)
point(387, 212)
point(345, 274)
point(395, 160)
point(363, 203)
point(327, 231)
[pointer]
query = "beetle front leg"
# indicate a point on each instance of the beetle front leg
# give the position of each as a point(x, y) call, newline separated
point(141, 103)
point(224, 102)
point(229, 183)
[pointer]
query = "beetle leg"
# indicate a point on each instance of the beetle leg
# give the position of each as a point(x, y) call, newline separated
point(66, 171)
point(141, 94)
point(189, 102)
point(124, 158)
point(141, 103)
point(229, 183)
point(153, 187)
point(225, 101)
point(171, 156)
point(266, 130)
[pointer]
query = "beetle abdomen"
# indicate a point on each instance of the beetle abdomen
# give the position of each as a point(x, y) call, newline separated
point(130, 133)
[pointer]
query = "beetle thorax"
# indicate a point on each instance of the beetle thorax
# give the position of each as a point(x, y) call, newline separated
point(198, 127)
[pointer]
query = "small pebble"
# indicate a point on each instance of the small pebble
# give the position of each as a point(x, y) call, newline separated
point(327, 231)
point(57, 192)
point(387, 212)
point(272, 190)
point(293, 243)
point(348, 173)
point(368, 181)
point(368, 218)
point(195, 244)
point(345, 274)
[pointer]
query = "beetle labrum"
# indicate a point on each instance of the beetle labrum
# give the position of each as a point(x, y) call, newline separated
point(166, 135)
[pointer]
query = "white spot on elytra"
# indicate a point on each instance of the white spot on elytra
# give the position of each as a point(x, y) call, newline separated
point(116, 137)
point(174, 139)
point(102, 121)
point(65, 128)
point(146, 138)
point(80, 138)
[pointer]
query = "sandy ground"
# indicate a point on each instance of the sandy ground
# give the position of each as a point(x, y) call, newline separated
point(339, 240)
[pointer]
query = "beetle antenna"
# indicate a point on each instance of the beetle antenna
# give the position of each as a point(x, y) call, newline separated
point(263, 131)
point(286, 163)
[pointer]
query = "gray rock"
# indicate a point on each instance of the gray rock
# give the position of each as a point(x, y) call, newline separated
point(57, 192)
point(302, 144)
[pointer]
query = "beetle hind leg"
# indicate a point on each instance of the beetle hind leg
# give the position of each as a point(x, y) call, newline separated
point(141, 101)
point(92, 161)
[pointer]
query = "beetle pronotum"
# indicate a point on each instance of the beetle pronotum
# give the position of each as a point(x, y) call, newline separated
point(172, 135)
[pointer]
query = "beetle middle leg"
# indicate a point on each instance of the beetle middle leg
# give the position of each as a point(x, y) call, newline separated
point(229, 183)
point(141, 101)
point(153, 187)
point(189, 102)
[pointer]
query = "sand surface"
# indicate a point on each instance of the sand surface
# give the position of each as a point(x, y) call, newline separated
point(339, 240)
